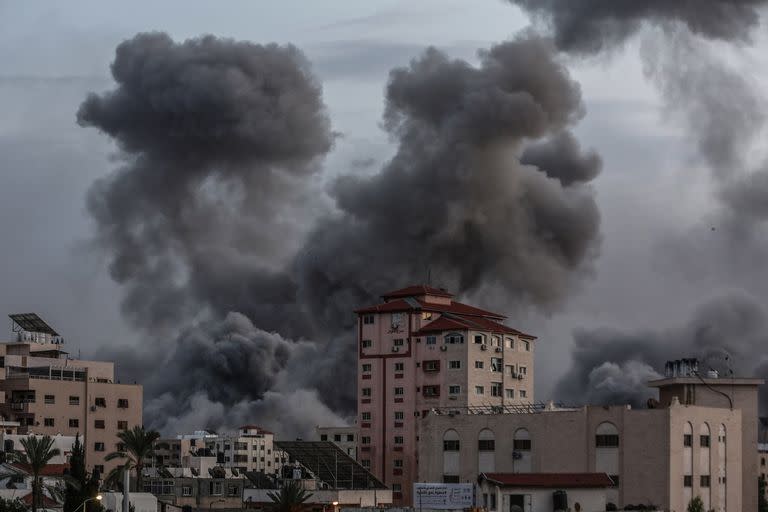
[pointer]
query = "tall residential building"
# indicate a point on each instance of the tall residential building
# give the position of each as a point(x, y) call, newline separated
point(251, 448)
point(419, 349)
point(48, 392)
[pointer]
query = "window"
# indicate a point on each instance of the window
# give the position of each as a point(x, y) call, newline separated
point(454, 338)
point(479, 390)
point(74, 400)
point(123, 425)
point(48, 422)
point(99, 447)
point(493, 501)
point(429, 391)
point(74, 423)
point(479, 364)
point(241, 457)
point(399, 391)
point(337, 438)
point(496, 388)
point(509, 393)
point(688, 481)
point(523, 393)
point(426, 315)
point(607, 440)
point(495, 341)
point(365, 440)
point(98, 424)
point(397, 487)
point(366, 416)
point(454, 390)
point(399, 367)
point(704, 480)
point(762, 461)
point(398, 319)
point(232, 490)
point(368, 319)
point(451, 445)
point(120, 447)
point(510, 343)
point(399, 415)
point(687, 439)
point(99, 468)
point(215, 488)
point(479, 339)
point(527, 346)
point(451, 479)
point(454, 365)
point(50, 399)
point(704, 441)
point(350, 438)
point(521, 444)
point(366, 343)
point(522, 370)
point(431, 340)
point(366, 391)
point(100, 401)
point(122, 403)
point(186, 490)
point(367, 367)
point(510, 370)
point(431, 366)
point(398, 463)
point(486, 445)
point(398, 439)
point(497, 364)
point(366, 463)
point(399, 342)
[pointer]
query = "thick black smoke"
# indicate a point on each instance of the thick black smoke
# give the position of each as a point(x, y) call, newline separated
point(612, 366)
point(219, 138)
point(724, 114)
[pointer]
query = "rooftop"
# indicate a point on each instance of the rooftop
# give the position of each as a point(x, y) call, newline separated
point(31, 322)
point(549, 480)
point(416, 291)
point(727, 381)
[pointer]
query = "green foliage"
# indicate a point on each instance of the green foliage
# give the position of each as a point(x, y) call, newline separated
point(38, 453)
point(12, 505)
point(138, 444)
point(290, 497)
point(696, 505)
point(762, 502)
point(81, 486)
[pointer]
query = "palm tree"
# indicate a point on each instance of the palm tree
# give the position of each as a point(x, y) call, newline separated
point(138, 444)
point(290, 498)
point(38, 452)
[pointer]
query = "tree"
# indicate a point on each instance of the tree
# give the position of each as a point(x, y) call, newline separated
point(38, 452)
point(138, 444)
point(696, 505)
point(290, 497)
point(81, 486)
point(762, 502)
point(15, 505)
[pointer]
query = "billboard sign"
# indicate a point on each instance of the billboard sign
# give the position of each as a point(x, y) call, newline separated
point(443, 496)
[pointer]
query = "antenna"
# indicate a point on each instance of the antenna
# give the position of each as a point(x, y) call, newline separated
point(429, 276)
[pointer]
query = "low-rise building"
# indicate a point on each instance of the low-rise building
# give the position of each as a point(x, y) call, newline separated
point(216, 488)
point(251, 448)
point(343, 437)
point(544, 492)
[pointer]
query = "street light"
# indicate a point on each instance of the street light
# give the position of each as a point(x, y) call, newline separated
point(98, 497)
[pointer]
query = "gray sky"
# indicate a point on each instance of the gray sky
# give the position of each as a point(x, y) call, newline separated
point(652, 191)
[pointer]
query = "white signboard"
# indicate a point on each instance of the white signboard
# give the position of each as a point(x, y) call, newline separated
point(442, 496)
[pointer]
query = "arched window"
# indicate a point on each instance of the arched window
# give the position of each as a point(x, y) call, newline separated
point(606, 435)
point(453, 338)
point(521, 455)
point(486, 441)
point(705, 478)
point(687, 462)
point(451, 455)
point(522, 441)
point(451, 442)
point(486, 451)
point(510, 343)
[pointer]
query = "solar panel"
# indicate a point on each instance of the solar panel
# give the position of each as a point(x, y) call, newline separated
point(330, 464)
point(30, 322)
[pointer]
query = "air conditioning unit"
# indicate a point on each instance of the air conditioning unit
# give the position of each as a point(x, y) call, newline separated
point(443, 348)
point(483, 347)
point(498, 349)
point(395, 349)
point(519, 376)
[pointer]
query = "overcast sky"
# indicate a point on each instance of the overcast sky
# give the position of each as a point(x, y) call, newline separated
point(651, 192)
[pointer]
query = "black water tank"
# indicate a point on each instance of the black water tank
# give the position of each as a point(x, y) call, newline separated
point(560, 501)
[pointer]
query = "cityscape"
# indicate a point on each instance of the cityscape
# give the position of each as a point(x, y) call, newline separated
point(384, 256)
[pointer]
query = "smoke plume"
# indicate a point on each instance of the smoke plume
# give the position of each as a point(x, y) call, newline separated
point(220, 142)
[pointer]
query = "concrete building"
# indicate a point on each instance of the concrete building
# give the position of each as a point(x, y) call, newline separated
point(419, 349)
point(698, 440)
point(48, 392)
point(205, 488)
point(543, 492)
point(251, 448)
point(12, 443)
point(343, 437)
point(171, 451)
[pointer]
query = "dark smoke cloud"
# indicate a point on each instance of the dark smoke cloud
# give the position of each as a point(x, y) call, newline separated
point(592, 26)
point(612, 366)
point(218, 136)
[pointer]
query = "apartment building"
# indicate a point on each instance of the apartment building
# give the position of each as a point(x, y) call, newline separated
point(251, 448)
point(343, 437)
point(698, 439)
point(171, 451)
point(48, 392)
point(419, 349)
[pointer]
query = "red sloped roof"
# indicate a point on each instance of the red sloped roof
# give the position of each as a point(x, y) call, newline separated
point(550, 480)
point(47, 502)
point(443, 323)
point(48, 470)
point(415, 291)
point(458, 308)
point(395, 305)
point(448, 323)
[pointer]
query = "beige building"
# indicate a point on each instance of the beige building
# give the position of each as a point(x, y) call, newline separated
point(171, 452)
point(47, 392)
point(420, 349)
point(251, 448)
point(343, 437)
point(698, 441)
